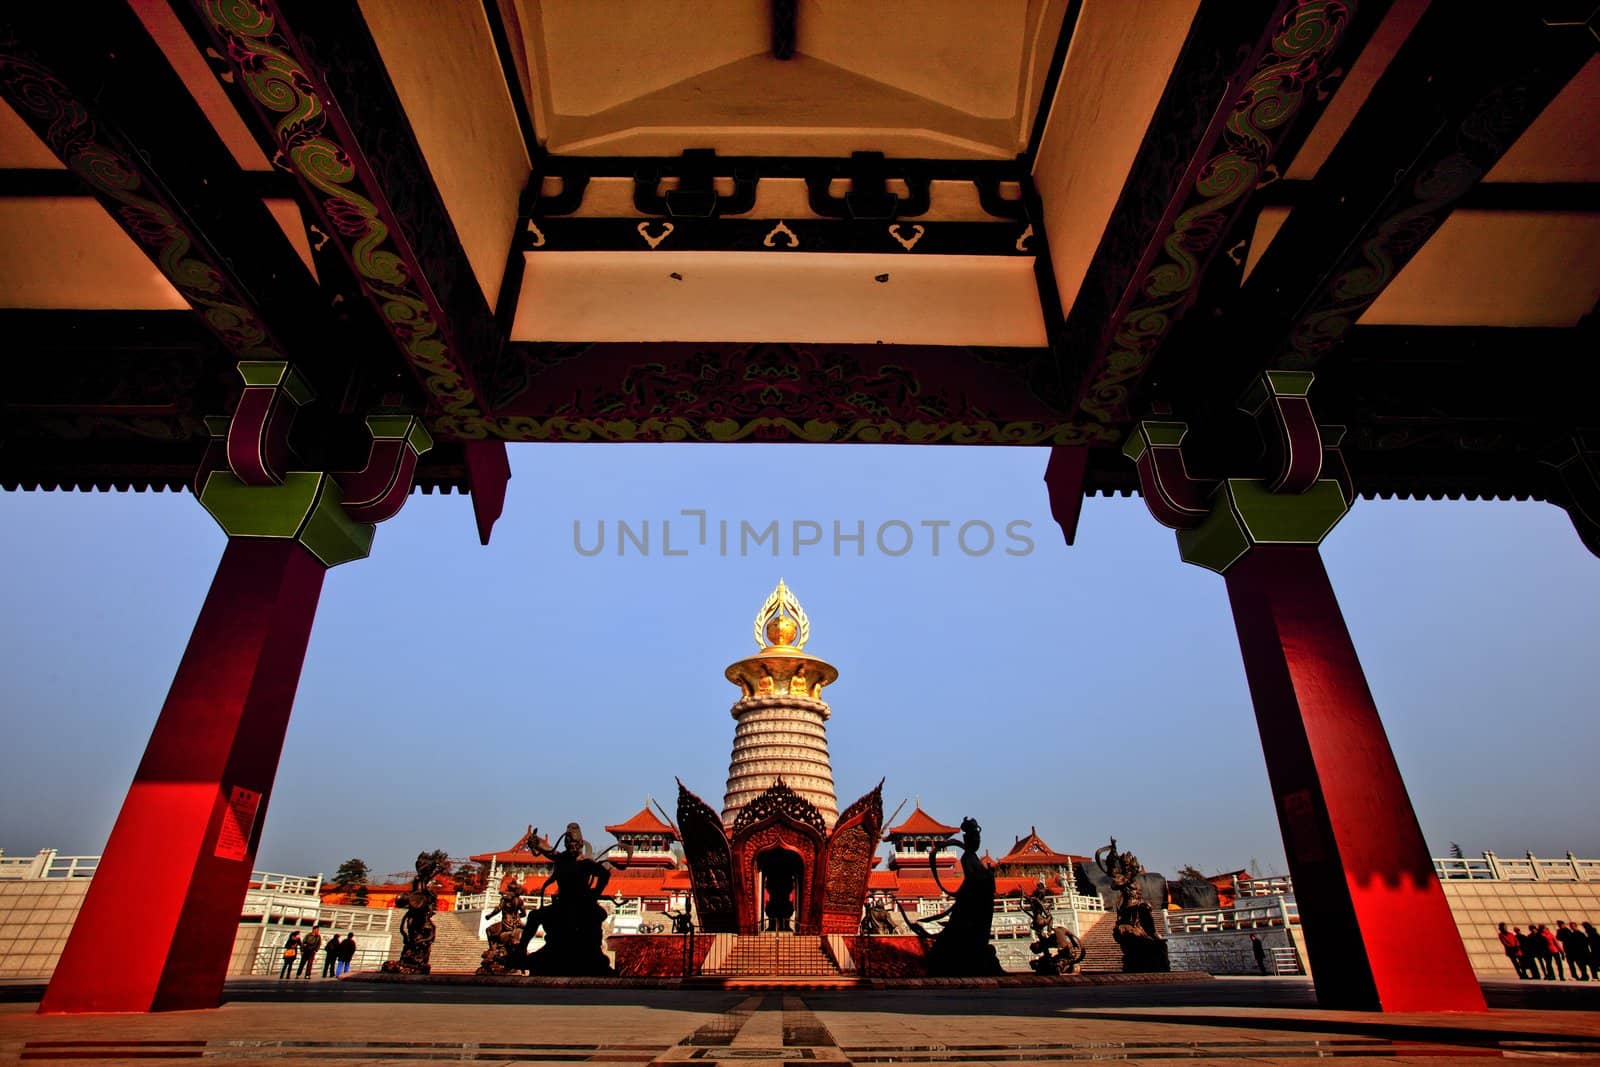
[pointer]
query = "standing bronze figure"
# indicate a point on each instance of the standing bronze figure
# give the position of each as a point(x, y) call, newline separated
point(416, 928)
point(504, 953)
point(1143, 950)
point(962, 948)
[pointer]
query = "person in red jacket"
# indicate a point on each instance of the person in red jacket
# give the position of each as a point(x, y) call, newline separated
point(1513, 949)
point(1550, 940)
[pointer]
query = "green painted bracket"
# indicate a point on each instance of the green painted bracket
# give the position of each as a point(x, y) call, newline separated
point(406, 428)
point(306, 509)
point(1244, 514)
point(276, 373)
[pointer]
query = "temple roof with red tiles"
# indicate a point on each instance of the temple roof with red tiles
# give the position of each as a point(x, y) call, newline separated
point(920, 824)
point(517, 854)
point(1032, 849)
point(644, 822)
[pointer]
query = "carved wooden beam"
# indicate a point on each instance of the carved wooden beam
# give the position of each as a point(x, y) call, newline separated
point(706, 391)
point(1467, 83)
point(1249, 82)
point(310, 83)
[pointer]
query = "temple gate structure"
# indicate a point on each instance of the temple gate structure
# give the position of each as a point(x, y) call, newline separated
point(1251, 259)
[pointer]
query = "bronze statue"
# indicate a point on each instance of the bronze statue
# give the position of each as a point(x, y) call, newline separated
point(1058, 951)
point(574, 921)
point(504, 953)
point(1143, 950)
point(878, 919)
point(962, 948)
point(416, 928)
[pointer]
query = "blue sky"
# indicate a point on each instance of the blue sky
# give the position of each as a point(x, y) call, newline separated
point(452, 694)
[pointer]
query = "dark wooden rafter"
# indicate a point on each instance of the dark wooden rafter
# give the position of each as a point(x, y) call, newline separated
point(308, 79)
point(1052, 80)
point(37, 182)
point(119, 399)
point(1429, 414)
point(1468, 82)
point(1581, 197)
point(1248, 84)
point(783, 28)
point(100, 94)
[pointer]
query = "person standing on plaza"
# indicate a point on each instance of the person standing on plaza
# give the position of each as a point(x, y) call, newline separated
point(1532, 948)
point(291, 949)
point(308, 953)
point(347, 952)
point(1260, 952)
point(1554, 948)
point(330, 956)
point(1513, 949)
point(1592, 936)
point(1576, 948)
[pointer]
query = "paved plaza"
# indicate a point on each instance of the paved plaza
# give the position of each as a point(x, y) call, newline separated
point(1217, 1021)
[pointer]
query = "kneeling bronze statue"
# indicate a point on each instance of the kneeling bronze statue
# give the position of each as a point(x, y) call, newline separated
point(1056, 951)
point(573, 923)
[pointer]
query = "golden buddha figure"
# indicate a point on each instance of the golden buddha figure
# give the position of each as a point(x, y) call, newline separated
point(797, 683)
point(764, 684)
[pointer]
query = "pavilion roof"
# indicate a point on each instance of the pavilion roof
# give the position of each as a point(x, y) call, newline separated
point(1032, 849)
point(644, 821)
point(920, 824)
point(516, 854)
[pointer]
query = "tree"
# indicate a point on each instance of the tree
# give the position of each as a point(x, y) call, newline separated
point(361, 896)
point(351, 873)
point(471, 877)
point(1455, 851)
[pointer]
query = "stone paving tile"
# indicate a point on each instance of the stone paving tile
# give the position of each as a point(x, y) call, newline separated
point(263, 1025)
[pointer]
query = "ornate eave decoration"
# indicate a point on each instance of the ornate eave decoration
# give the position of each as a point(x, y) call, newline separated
point(779, 802)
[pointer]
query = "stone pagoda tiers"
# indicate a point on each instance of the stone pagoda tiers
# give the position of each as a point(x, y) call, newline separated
point(781, 736)
point(780, 857)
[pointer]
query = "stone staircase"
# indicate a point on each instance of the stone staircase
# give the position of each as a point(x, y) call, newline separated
point(1101, 953)
point(772, 955)
point(457, 948)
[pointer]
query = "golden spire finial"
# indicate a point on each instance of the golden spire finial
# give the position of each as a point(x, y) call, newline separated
point(781, 622)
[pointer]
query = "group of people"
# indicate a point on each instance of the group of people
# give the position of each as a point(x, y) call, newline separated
point(300, 955)
point(1539, 952)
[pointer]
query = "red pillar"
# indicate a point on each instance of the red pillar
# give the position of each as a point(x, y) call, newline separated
point(1377, 925)
point(158, 923)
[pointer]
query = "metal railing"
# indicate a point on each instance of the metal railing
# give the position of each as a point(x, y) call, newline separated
point(1526, 868)
point(1259, 913)
point(299, 885)
point(47, 864)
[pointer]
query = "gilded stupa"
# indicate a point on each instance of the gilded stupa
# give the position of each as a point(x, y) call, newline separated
point(781, 736)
